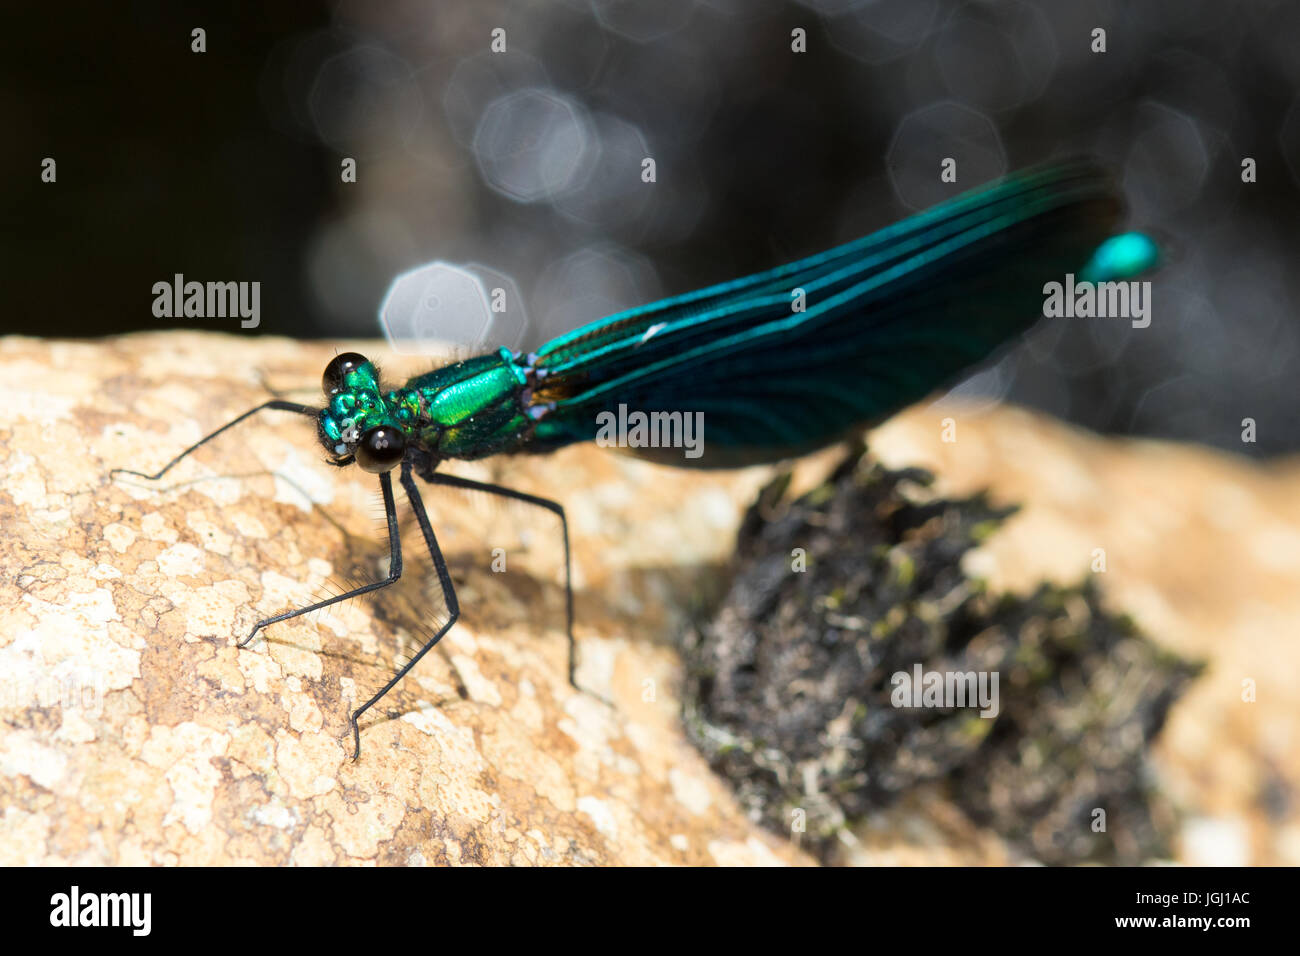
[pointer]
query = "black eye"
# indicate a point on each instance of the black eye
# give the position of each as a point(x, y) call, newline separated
point(380, 449)
point(338, 367)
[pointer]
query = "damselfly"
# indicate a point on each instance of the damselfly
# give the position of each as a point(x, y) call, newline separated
point(779, 363)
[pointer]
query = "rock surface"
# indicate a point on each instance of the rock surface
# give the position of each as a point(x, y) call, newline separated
point(1202, 549)
point(132, 730)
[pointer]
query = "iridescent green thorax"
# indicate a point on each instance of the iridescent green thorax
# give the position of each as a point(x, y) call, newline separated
point(468, 409)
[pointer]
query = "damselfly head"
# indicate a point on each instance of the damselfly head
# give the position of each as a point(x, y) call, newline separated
point(356, 424)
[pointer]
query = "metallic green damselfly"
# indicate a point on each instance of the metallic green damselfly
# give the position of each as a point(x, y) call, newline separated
point(779, 363)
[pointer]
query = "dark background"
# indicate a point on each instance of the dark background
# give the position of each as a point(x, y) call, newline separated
point(225, 165)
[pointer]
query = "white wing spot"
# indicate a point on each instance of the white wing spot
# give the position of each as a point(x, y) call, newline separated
point(652, 331)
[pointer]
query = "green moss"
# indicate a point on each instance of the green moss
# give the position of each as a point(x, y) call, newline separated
point(776, 664)
point(904, 569)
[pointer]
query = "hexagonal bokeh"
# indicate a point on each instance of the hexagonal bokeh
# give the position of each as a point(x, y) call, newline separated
point(883, 30)
point(928, 136)
point(349, 262)
point(592, 283)
point(1167, 161)
point(562, 37)
point(614, 193)
point(533, 144)
point(440, 303)
point(508, 326)
point(363, 97)
point(479, 80)
point(1194, 85)
point(684, 100)
point(643, 22)
point(995, 57)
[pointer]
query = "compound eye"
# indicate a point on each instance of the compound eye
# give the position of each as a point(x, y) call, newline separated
point(338, 368)
point(380, 449)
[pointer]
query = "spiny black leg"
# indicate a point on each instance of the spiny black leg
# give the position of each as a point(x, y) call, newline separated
point(448, 592)
point(394, 567)
point(453, 481)
point(273, 405)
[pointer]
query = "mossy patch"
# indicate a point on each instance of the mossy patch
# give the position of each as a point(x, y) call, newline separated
point(789, 684)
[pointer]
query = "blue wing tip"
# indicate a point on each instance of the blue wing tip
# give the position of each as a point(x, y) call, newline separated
point(1122, 257)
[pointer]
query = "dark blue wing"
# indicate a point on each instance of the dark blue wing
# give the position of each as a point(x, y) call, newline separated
point(886, 320)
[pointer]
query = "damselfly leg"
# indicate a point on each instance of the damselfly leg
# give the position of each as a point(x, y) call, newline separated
point(453, 481)
point(394, 568)
point(275, 405)
point(444, 580)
